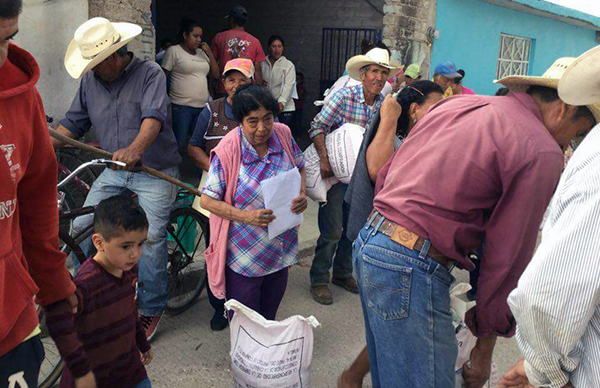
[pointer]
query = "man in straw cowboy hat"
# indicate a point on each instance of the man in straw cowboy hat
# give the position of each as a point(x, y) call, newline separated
point(125, 99)
point(474, 168)
point(31, 264)
point(354, 105)
point(557, 301)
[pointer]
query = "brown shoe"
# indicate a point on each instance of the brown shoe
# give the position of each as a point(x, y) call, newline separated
point(349, 284)
point(321, 294)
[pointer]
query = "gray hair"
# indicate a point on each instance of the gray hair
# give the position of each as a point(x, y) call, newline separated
point(122, 52)
point(365, 69)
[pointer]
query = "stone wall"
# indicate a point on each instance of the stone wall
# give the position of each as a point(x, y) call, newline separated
point(300, 23)
point(405, 30)
point(132, 11)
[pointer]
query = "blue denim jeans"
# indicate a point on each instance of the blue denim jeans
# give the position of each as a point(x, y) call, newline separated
point(156, 197)
point(184, 122)
point(405, 297)
point(333, 247)
point(143, 384)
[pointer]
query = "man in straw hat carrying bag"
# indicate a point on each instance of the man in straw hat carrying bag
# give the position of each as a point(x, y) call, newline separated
point(125, 99)
point(557, 301)
point(354, 105)
point(435, 202)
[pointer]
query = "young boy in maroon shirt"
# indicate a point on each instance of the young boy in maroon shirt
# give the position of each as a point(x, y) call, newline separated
point(104, 343)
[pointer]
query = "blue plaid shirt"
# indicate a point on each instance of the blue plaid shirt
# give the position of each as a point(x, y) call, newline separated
point(347, 106)
point(249, 250)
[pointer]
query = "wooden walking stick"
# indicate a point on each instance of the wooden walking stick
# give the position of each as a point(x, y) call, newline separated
point(105, 154)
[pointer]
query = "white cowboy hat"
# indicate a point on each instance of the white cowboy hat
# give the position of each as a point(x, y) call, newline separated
point(376, 56)
point(549, 79)
point(580, 85)
point(94, 41)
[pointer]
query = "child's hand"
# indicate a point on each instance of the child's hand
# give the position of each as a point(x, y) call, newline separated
point(87, 381)
point(147, 357)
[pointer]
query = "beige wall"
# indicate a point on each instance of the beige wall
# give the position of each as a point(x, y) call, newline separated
point(45, 30)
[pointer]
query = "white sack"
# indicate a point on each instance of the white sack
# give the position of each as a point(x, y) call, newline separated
point(465, 339)
point(343, 146)
point(270, 354)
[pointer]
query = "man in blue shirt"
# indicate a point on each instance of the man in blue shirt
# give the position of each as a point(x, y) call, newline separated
point(124, 98)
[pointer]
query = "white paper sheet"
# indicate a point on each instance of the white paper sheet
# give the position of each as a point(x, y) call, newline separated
point(278, 193)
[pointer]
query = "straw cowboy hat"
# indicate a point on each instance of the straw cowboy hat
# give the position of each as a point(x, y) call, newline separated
point(376, 56)
point(549, 79)
point(94, 41)
point(580, 85)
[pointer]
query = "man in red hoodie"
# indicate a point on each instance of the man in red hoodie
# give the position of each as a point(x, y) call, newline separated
point(30, 263)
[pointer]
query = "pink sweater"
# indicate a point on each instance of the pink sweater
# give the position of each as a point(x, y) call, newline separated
point(229, 152)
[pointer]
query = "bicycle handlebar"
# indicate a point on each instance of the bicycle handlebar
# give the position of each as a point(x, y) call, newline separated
point(95, 162)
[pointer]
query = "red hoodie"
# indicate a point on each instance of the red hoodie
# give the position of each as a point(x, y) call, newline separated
point(30, 262)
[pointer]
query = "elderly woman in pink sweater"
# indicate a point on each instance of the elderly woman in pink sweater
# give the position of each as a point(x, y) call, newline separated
point(243, 263)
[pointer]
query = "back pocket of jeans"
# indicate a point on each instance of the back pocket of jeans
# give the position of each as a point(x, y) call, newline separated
point(387, 288)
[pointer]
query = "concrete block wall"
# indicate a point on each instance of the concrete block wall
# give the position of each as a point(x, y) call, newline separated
point(405, 30)
point(299, 22)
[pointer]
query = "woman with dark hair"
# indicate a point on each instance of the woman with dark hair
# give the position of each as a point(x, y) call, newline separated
point(188, 64)
point(279, 75)
point(383, 137)
point(243, 263)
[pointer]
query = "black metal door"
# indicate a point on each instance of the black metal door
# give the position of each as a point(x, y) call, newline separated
point(339, 44)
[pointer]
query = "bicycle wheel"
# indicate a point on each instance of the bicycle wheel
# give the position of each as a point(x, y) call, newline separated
point(52, 365)
point(186, 268)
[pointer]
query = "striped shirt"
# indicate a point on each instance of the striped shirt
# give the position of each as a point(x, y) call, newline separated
point(105, 335)
point(347, 106)
point(249, 250)
point(557, 301)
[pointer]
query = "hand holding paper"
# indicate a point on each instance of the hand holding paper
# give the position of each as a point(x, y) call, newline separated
point(282, 195)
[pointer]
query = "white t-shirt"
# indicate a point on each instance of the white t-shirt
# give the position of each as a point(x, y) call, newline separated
point(189, 85)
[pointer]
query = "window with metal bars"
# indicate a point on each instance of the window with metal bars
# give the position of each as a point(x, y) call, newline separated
point(513, 58)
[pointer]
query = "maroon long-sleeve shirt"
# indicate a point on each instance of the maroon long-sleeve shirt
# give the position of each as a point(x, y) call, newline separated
point(476, 168)
point(105, 336)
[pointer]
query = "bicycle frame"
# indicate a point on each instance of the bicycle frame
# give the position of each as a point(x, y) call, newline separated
point(78, 181)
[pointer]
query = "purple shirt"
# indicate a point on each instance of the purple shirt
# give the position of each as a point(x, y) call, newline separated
point(116, 111)
point(476, 168)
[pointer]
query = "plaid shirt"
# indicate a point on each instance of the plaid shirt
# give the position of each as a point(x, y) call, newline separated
point(249, 250)
point(347, 106)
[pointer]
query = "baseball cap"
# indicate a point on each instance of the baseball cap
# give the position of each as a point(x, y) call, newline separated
point(413, 71)
point(447, 69)
point(237, 13)
point(243, 65)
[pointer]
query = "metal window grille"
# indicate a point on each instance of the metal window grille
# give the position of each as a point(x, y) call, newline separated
point(338, 45)
point(513, 58)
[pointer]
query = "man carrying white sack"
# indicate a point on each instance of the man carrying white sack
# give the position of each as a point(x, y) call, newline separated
point(354, 105)
point(557, 301)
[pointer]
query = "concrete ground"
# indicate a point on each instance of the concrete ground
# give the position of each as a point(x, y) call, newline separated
point(188, 354)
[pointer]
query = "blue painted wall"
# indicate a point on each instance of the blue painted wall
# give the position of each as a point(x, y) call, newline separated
point(470, 37)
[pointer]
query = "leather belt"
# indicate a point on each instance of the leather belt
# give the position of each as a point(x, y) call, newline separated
point(408, 239)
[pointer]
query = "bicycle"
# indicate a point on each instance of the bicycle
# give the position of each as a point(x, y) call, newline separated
point(186, 269)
